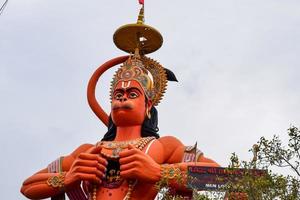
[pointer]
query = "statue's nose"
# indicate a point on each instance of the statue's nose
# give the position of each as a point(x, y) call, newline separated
point(123, 99)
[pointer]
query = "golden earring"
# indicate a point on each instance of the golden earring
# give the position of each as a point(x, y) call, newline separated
point(148, 114)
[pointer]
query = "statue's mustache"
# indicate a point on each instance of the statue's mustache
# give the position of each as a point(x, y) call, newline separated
point(122, 106)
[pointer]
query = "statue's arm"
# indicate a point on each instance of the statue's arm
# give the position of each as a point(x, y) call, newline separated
point(166, 150)
point(174, 151)
point(36, 187)
point(173, 155)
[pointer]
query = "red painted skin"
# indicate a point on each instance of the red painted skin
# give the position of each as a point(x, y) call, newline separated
point(85, 164)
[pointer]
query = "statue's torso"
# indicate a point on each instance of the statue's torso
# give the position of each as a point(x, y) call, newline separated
point(140, 189)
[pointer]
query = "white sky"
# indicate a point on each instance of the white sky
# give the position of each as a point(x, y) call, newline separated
point(237, 63)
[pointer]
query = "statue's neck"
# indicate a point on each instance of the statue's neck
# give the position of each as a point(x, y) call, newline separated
point(128, 132)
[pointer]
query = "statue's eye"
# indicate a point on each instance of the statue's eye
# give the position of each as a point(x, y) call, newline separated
point(133, 95)
point(118, 95)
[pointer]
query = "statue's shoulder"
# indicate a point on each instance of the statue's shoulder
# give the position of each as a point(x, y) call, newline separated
point(170, 141)
point(172, 149)
point(178, 152)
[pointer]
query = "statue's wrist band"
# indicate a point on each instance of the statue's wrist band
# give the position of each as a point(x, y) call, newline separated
point(57, 181)
point(170, 172)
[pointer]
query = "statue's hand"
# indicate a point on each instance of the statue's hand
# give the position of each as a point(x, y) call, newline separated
point(88, 166)
point(135, 164)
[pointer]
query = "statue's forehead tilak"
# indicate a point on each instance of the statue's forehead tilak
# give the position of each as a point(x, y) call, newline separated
point(128, 84)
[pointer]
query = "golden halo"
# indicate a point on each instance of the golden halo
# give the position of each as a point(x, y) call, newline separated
point(131, 36)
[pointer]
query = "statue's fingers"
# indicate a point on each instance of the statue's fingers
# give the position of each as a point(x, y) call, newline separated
point(129, 152)
point(89, 170)
point(88, 177)
point(87, 156)
point(131, 173)
point(91, 163)
point(124, 159)
point(130, 165)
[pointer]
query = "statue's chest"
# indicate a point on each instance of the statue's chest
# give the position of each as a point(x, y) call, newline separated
point(111, 150)
point(112, 178)
point(113, 193)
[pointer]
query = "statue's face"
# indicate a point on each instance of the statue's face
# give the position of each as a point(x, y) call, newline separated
point(128, 105)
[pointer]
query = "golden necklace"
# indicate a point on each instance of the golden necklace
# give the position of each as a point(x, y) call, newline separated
point(111, 150)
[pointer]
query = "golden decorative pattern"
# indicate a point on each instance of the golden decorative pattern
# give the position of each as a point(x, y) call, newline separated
point(148, 72)
point(170, 172)
point(111, 149)
point(57, 181)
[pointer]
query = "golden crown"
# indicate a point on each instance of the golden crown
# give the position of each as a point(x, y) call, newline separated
point(148, 72)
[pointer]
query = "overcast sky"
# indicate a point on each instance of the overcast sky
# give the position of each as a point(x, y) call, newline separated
point(237, 63)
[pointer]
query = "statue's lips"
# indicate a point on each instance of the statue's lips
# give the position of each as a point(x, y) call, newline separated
point(123, 107)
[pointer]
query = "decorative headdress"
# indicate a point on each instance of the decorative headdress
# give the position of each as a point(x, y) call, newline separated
point(149, 73)
point(137, 39)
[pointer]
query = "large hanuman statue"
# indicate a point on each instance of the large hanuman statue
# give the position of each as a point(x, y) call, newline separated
point(131, 158)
